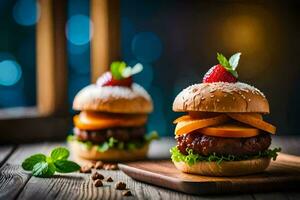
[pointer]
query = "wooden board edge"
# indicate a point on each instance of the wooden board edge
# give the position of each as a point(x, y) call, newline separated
point(200, 188)
point(155, 179)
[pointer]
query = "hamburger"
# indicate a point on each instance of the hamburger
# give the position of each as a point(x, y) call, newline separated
point(111, 125)
point(223, 132)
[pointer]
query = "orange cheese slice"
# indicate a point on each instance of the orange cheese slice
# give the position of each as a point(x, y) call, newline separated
point(253, 121)
point(96, 121)
point(184, 127)
point(230, 130)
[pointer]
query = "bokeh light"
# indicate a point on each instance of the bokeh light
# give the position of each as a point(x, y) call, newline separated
point(26, 12)
point(146, 47)
point(10, 72)
point(79, 29)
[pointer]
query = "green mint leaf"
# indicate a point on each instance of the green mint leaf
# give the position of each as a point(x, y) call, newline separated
point(66, 166)
point(40, 169)
point(234, 60)
point(103, 147)
point(223, 61)
point(233, 72)
point(60, 153)
point(50, 171)
point(226, 64)
point(130, 71)
point(29, 162)
point(117, 69)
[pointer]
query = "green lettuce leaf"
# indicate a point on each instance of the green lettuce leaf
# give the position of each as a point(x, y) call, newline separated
point(112, 143)
point(192, 158)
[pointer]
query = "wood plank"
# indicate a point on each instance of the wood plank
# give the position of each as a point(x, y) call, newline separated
point(80, 186)
point(5, 151)
point(51, 58)
point(293, 195)
point(273, 196)
point(105, 44)
point(14, 182)
point(12, 177)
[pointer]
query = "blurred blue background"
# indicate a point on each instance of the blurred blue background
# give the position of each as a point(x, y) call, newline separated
point(176, 41)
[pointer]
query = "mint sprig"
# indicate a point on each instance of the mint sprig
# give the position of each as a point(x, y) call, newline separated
point(191, 158)
point(231, 64)
point(43, 166)
point(120, 70)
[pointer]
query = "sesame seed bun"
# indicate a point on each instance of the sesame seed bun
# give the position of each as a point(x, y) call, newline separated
point(114, 99)
point(110, 155)
point(225, 168)
point(221, 97)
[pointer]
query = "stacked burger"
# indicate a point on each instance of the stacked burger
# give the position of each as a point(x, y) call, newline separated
point(114, 112)
point(223, 133)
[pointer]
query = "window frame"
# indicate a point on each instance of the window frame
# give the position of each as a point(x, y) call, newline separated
point(50, 119)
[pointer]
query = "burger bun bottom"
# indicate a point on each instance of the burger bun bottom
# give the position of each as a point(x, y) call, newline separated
point(81, 152)
point(225, 168)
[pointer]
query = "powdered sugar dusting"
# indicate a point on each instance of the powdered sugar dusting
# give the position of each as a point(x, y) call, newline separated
point(94, 91)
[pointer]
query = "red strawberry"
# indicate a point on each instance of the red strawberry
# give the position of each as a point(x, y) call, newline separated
point(107, 80)
point(218, 73)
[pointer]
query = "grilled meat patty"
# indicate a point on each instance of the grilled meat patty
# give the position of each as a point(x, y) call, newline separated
point(123, 134)
point(207, 145)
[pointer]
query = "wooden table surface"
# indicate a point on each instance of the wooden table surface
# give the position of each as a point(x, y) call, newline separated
point(17, 184)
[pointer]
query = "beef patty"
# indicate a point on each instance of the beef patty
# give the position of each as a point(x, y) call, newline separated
point(207, 145)
point(123, 134)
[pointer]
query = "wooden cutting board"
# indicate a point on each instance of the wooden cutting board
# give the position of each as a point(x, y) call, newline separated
point(282, 174)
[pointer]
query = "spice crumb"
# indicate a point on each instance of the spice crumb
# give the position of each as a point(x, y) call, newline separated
point(98, 183)
point(120, 186)
point(99, 165)
point(113, 166)
point(85, 169)
point(96, 176)
point(109, 179)
point(127, 193)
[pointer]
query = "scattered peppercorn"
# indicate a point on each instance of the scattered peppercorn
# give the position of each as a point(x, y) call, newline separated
point(120, 186)
point(99, 165)
point(85, 169)
point(113, 166)
point(106, 166)
point(98, 183)
point(92, 165)
point(96, 176)
point(126, 193)
point(109, 179)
